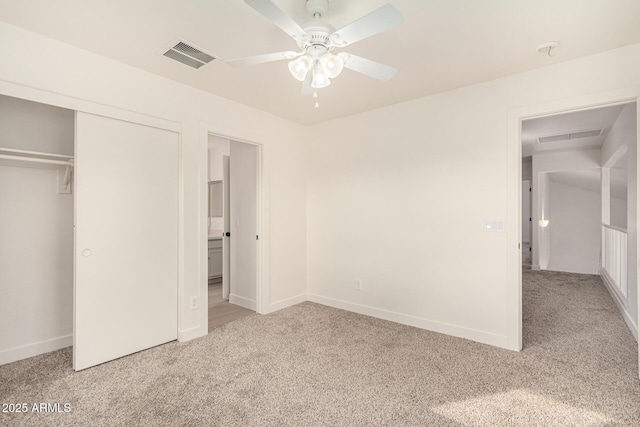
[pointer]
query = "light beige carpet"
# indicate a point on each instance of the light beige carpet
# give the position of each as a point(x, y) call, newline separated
point(311, 365)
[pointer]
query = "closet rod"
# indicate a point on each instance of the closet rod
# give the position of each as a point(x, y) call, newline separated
point(37, 160)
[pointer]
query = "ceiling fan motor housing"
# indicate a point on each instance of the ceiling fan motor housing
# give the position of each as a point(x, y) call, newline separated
point(319, 33)
point(317, 7)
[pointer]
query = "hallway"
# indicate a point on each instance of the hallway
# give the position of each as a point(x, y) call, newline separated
point(572, 319)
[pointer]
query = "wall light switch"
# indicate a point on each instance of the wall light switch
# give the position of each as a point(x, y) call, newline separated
point(494, 225)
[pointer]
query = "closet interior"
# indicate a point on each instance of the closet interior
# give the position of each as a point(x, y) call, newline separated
point(36, 228)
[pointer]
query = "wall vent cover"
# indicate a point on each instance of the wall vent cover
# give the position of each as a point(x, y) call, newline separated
point(569, 136)
point(188, 55)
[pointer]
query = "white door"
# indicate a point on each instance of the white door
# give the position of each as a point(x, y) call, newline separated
point(526, 211)
point(225, 240)
point(243, 224)
point(126, 239)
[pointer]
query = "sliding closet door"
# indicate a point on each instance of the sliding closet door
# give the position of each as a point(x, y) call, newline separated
point(126, 238)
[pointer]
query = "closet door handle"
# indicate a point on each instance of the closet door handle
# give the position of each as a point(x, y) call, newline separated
point(86, 252)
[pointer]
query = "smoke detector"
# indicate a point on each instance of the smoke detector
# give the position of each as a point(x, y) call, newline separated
point(547, 48)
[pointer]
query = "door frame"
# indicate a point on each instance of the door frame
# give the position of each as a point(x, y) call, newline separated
point(257, 140)
point(515, 116)
point(529, 225)
point(226, 226)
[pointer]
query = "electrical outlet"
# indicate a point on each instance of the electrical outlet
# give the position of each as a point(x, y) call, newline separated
point(358, 284)
point(194, 303)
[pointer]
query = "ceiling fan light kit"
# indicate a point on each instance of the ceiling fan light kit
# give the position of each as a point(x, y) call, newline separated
point(316, 64)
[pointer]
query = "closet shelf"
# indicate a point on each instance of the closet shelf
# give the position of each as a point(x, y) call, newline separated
point(35, 159)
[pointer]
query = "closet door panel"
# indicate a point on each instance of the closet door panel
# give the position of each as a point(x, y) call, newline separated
point(126, 238)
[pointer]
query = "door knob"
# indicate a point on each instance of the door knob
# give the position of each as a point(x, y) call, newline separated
point(227, 234)
point(86, 252)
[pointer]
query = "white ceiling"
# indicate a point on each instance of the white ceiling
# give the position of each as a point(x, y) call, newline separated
point(443, 44)
point(598, 118)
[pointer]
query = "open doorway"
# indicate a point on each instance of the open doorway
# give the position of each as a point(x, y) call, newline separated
point(565, 154)
point(232, 230)
point(584, 196)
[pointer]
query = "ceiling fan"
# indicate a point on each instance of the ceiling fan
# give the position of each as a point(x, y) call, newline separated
point(316, 64)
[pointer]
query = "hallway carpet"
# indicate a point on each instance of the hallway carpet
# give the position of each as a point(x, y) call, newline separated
point(311, 365)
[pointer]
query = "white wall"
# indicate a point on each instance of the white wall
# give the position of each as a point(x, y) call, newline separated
point(624, 134)
point(417, 165)
point(35, 127)
point(80, 78)
point(543, 165)
point(527, 168)
point(389, 194)
point(540, 235)
point(574, 228)
point(36, 234)
point(618, 212)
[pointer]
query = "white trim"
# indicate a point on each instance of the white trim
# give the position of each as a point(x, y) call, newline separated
point(615, 295)
point(242, 302)
point(418, 322)
point(613, 227)
point(515, 116)
point(72, 103)
point(617, 155)
point(287, 302)
point(514, 234)
point(35, 349)
point(191, 333)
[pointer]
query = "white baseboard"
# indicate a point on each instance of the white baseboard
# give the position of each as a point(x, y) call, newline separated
point(288, 302)
point(192, 333)
point(418, 322)
point(621, 305)
point(242, 302)
point(34, 349)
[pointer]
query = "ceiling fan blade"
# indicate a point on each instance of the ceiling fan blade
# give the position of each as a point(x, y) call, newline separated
point(277, 16)
point(381, 19)
point(261, 59)
point(368, 67)
point(306, 85)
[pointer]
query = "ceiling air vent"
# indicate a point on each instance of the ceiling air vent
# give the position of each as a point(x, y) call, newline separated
point(568, 136)
point(188, 55)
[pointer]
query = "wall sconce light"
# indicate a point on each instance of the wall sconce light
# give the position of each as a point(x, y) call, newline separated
point(543, 223)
